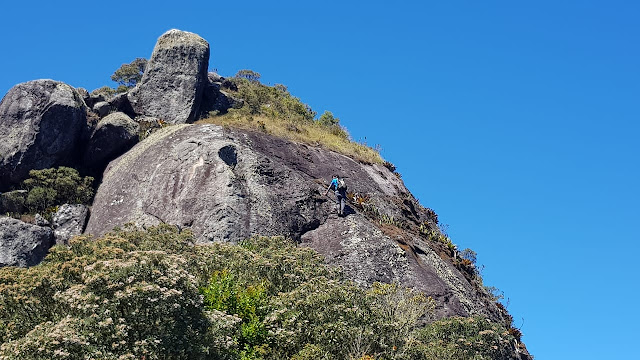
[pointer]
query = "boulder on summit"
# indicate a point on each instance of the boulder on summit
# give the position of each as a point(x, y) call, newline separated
point(41, 122)
point(174, 79)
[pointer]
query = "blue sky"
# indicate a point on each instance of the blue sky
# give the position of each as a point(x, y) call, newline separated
point(517, 122)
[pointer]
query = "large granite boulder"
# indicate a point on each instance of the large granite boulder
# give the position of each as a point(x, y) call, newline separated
point(174, 79)
point(114, 134)
point(69, 221)
point(227, 185)
point(41, 122)
point(23, 244)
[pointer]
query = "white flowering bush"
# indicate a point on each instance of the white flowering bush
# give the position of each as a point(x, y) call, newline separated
point(108, 299)
point(464, 338)
point(154, 294)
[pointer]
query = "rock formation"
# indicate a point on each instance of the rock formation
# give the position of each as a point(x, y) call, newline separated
point(69, 221)
point(174, 79)
point(114, 134)
point(224, 184)
point(23, 244)
point(40, 124)
point(227, 185)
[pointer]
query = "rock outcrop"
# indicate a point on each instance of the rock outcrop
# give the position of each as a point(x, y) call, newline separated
point(227, 185)
point(216, 100)
point(174, 79)
point(41, 122)
point(69, 221)
point(114, 134)
point(23, 244)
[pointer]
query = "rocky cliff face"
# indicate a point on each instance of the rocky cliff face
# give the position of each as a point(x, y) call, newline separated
point(224, 184)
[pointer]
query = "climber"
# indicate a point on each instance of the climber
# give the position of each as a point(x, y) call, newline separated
point(340, 189)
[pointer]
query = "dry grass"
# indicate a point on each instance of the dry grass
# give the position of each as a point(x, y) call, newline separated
point(303, 132)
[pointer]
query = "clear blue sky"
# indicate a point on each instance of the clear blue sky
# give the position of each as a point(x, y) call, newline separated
point(517, 122)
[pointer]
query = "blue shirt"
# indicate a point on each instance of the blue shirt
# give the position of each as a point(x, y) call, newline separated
point(334, 184)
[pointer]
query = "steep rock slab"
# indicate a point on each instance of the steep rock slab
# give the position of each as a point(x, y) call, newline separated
point(228, 185)
point(114, 134)
point(174, 79)
point(368, 255)
point(23, 244)
point(69, 221)
point(41, 122)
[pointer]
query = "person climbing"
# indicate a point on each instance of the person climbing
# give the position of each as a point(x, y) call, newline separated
point(339, 187)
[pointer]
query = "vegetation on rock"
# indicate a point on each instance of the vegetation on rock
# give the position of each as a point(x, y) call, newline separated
point(274, 110)
point(49, 188)
point(153, 294)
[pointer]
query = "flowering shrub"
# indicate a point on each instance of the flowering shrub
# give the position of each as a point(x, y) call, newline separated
point(153, 294)
point(464, 338)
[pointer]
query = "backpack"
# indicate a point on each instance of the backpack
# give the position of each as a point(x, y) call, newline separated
point(341, 184)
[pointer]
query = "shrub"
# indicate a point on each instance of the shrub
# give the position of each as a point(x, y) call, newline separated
point(153, 294)
point(249, 75)
point(111, 298)
point(226, 293)
point(56, 186)
point(464, 338)
point(128, 75)
point(106, 91)
point(327, 119)
point(270, 101)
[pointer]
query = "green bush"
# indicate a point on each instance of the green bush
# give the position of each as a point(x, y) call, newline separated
point(274, 101)
point(13, 202)
point(128, 75)
point(52, 187)
point(327, 119)
point(248, 302)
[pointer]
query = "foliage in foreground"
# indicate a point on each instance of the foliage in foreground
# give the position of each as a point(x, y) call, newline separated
point(274, 110)
point(153, 294)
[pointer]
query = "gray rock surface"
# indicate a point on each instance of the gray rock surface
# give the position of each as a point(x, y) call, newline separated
point(367, 254)
point(102, 108)
point(174, 79)
point(69, 221)
point(40, 124)
point(41, 221)
point(93, 99)
point(228, 185)
point(23, 244)
point(120, 103)
point(84, 93)
point(114, 134)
